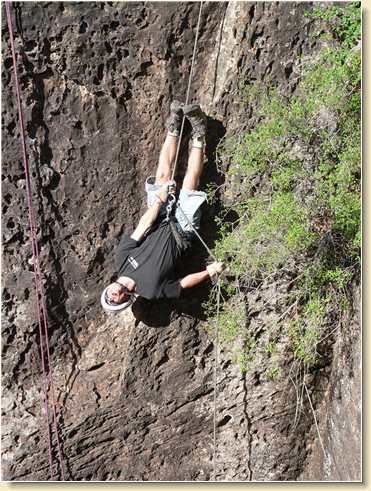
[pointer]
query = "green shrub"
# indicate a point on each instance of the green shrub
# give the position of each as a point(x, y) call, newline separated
point(234, 335)
point(273, 372)
point(343, 22)
point(297, 191)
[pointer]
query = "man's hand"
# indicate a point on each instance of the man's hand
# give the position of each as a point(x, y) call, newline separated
point(171, 186)
point(162, 195)
point(215, 268)
point(167, 188)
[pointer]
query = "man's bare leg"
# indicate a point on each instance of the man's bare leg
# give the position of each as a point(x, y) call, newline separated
point(194, 169)
point(167, 156)
point(168, 151)
point(197, 118)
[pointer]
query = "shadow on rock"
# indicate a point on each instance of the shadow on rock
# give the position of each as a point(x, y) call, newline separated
point(156, 313)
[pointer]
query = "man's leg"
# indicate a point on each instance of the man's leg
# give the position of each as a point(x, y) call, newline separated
point(168, 151)
point(197, 118)
point(167, 156)
point(188, 213)
point(194, 169)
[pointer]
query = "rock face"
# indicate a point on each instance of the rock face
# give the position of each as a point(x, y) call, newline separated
point(339, 412)
point(135, 391)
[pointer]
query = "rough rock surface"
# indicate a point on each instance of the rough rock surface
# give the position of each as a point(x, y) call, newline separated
point(339, 411)
point(135, 392)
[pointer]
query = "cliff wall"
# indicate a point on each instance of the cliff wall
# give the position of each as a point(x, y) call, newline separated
point(135, 391)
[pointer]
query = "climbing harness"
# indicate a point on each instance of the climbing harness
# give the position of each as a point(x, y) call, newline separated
point(169, 207)
point(46, 361)
point(182, 242)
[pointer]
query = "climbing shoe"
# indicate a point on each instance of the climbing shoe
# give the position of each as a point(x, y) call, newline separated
point(174, 121)
point(197, 118)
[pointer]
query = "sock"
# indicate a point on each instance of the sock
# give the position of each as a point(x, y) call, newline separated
point(173, 133)
point(198, 142)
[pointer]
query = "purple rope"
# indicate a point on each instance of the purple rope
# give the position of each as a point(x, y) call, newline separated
point(40, 297)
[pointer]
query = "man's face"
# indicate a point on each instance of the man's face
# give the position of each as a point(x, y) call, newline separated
point(116, 293)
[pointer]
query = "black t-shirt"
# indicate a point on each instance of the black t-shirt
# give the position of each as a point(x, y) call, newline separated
point(151, 263)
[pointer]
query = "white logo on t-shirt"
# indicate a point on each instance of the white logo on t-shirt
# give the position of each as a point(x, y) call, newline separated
point(132, 262)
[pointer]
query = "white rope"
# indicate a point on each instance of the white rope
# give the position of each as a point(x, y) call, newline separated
point(216, 341)
point(188, 89)
point(216, 337)
point(216, 344)
point(315, 420)
point(197, 234)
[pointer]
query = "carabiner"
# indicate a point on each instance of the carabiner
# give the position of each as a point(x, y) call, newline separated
point(169, 207)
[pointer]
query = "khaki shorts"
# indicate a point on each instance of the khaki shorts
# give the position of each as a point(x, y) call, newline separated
point(189, 201)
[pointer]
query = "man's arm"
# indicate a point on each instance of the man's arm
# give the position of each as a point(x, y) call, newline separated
point(194, 279)
point(146, 221)
point(151, 214)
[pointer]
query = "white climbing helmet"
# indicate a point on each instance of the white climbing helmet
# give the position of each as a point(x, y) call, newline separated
point(114, 307)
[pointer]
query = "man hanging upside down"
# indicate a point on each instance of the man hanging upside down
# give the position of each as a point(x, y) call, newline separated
point(146, 259)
